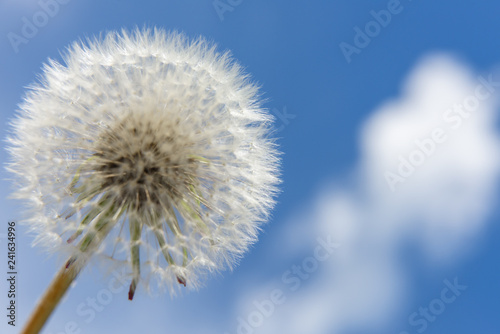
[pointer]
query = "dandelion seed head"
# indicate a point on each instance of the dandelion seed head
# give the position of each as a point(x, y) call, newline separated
point(146, 149)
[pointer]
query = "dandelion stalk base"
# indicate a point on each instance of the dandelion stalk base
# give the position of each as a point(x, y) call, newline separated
point(51, 298)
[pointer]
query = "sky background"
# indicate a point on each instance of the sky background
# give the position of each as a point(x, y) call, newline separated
point(344, 124)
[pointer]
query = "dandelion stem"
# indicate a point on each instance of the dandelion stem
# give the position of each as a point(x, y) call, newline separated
point(51, 298)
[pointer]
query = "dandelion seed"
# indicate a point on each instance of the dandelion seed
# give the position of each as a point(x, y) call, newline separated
point(147, 149)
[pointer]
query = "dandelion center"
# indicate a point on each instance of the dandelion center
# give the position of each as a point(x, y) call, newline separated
point(144, 162)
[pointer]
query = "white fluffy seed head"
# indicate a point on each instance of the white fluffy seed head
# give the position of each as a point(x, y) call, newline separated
point(147, 149)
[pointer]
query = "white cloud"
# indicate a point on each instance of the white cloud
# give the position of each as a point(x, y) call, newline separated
point(440, 208)
point(449, 195)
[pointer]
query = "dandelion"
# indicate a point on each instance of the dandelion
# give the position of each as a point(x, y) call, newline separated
point(145, 149)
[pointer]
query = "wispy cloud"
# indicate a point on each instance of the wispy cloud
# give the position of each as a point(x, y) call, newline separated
point(439, 206)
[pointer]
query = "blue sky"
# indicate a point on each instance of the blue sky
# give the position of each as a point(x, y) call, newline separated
point(343, 125)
